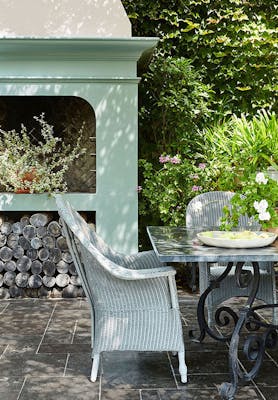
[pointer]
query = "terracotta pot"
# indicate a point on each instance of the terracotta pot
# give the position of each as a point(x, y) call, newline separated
point(22, 191)
point(29, 176)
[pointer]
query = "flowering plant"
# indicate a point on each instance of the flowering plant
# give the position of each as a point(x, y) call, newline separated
point(30, 164)
point(166, 191)
point(258, 199)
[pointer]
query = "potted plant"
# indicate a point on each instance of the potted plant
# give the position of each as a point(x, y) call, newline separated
point(35, 165)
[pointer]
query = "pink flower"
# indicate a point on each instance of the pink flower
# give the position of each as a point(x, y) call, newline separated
point(202, 165)
point(139, 189)
point(175, 160)
point(164, 159)
point(196, 188)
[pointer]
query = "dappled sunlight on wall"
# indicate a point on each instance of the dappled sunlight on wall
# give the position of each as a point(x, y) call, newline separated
point(63, 18)
point(103, 73)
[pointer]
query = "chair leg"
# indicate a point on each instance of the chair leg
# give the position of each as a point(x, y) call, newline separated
point(182, 367)
point(95, 368)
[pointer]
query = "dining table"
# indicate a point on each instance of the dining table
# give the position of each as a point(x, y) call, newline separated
point(244, 326)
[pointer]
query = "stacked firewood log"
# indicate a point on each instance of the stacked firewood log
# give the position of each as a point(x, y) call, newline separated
point(35, 260)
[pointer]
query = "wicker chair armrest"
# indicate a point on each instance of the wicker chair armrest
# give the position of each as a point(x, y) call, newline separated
point(121, 272)
point(129, 274)
point(141, 260)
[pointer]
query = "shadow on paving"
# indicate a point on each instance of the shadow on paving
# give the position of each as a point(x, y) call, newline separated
point(45, 355)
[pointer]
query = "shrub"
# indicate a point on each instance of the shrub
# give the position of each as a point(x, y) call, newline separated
point(34, 164)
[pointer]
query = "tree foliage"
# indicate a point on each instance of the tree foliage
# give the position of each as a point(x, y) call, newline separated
point(216, 59)
point(233, 43)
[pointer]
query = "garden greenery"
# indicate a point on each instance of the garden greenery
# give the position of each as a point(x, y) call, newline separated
point(215, 67)
point(257, 199)
point(239, 147)
point(228, 157)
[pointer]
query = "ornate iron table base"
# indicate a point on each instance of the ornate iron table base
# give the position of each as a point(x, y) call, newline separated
point(254, 344)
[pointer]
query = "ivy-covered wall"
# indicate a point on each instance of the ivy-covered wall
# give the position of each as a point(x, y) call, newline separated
point(215, 58)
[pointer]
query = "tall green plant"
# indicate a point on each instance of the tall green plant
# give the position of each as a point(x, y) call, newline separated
point(240, 147)
point(177, 104)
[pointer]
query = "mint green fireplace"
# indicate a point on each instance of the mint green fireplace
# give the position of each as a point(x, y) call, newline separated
point(102, 71)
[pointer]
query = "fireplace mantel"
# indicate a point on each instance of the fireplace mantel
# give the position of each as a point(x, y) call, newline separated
point(102, 71)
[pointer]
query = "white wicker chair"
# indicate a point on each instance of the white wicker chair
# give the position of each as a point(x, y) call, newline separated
point(134, 303)
point(206, 210)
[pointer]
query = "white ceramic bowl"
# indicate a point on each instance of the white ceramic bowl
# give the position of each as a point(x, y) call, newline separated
point(239, 240)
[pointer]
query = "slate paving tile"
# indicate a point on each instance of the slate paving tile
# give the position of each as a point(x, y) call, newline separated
point(64, 348)
point(31, 305)
point(269, 393)
point(59, 388)
point(136, 370)
point(70, 304)
point(273, 354)
point(79, 364)
point(82, 338)
point(20, 348)
point(195, 381)
point(71, 314)
point(58, 336)
point(202, 393)
point(268, 374)
point(10, 388)
point(19, 339)
point(24, 317)
point(17, 365)
point(2, 348)
point(62, 366)
point(10, 384)
point(120, 394)
point(199, 362)
point(149, 394)
point(36, 327)
point(9, 395)
point(82, 332)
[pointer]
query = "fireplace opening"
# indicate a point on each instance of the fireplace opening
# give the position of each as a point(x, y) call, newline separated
point(66, 114)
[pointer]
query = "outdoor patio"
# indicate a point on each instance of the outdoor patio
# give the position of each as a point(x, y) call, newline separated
point(45, 355)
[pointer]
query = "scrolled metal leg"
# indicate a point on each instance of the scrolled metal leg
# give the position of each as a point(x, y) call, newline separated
point(203, 325)
point(254, 348)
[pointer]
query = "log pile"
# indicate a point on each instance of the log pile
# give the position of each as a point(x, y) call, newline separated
point(34, 258)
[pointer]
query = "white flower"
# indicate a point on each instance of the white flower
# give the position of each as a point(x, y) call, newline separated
point(264, 216)
point(260, 178)
point(260, 206)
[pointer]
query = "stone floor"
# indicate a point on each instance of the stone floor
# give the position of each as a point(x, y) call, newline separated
point(45, 355)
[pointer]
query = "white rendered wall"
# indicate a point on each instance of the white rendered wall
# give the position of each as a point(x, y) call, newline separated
point(63, 18)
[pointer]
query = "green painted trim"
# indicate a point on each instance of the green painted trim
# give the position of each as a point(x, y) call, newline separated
point(45, 201)
point(97, 49)
point(23, 79)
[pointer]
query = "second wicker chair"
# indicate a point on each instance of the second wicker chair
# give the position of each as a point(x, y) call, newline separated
point(206, 210)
